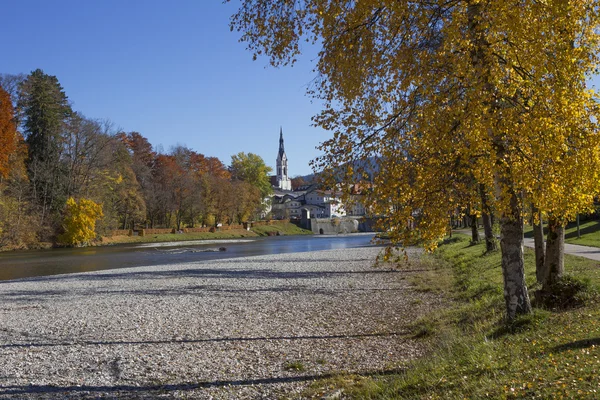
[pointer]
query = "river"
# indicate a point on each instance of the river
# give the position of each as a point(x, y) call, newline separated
point(27, 264)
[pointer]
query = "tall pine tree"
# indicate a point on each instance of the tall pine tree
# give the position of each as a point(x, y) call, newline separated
point(45, 110)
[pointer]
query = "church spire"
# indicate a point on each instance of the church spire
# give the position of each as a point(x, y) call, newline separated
point(283, 182)
point(281, 148)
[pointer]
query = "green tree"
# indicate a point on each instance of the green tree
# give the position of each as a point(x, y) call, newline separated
point(421, 86)
point(46, 110)
point(251, 168)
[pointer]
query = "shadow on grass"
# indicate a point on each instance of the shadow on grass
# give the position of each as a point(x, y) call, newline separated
point(593, 228)
point(520, 324)
point(578, 344)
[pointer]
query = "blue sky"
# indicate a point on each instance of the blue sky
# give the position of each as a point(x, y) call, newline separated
point(172, 71)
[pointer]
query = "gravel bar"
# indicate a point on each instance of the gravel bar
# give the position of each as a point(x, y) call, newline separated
point(254, 327)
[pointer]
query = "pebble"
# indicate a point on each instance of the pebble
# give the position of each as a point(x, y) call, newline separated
point(222, 329)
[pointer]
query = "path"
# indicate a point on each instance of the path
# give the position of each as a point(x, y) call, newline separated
point(593, 253)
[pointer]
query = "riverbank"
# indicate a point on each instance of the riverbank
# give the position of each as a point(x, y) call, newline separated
point(274, 229)
point(252, 327)
point(475, 354)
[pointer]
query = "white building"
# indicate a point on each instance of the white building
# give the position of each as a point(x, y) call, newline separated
point(286, 203)
point(282, 180)
point(320, 203)
point(327, 200)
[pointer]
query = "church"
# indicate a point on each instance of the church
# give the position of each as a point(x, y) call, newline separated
point(288, 203)
point(281, 180)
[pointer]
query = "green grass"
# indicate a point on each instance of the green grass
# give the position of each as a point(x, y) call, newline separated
point(476, 354)
point(176, 237)
point(282, 228)
point(589, 231)
point(294, 366)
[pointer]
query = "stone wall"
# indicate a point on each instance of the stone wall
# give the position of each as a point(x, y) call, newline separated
point(333, 226)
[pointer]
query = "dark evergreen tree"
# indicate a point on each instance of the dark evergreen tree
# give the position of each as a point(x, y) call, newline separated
point(46, 110)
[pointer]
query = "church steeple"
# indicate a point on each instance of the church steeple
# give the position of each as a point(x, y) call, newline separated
point(283, 182)
point(281, 148)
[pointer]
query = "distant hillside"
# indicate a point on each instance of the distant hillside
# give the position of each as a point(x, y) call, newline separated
point(370, 166)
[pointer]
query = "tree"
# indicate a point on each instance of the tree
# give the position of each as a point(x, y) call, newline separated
point(245, 202)
point(496, 86)
point(11, 83)
point(538, 239)
point(80, 222)
point(45, 110)
point(86, 143)
point(115, 186)
point(252, 169)
point(9, 136)
point(18, 227)
point(298, 181)
point(128, 200)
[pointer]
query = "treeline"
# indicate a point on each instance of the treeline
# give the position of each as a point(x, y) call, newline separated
point(51, 156)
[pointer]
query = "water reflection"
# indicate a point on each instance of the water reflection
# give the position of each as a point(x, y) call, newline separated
point(24, 264)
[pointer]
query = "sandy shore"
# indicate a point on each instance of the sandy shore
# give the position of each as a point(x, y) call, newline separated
point(256, 327)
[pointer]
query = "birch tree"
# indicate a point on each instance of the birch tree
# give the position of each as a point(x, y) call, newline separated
point(422, 86)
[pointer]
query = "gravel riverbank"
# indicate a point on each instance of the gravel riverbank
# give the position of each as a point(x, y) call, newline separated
point(256, 327)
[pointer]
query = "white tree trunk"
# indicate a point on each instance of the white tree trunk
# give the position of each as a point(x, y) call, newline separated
point(513, 268)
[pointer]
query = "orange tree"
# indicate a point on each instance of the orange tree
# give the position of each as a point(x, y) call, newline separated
point(8, 133)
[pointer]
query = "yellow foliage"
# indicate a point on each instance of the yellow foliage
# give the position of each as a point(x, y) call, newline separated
point(444, 94)
point(79, 223)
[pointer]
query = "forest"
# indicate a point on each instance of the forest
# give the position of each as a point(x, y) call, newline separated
point(66, 178)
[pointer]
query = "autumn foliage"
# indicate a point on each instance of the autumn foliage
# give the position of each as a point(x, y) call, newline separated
point(8, 133)
point(65, 156)
point(447, 97)
point(79, 222)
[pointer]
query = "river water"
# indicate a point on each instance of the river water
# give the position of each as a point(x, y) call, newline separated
point(26, 264)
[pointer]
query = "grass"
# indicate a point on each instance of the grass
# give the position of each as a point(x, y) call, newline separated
point(286, 228)
point(589, 230)
point(176, 237)
point(476, 354)
point(282, 228)
point(294, 366)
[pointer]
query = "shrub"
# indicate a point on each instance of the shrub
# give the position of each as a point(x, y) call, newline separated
point(79, 223)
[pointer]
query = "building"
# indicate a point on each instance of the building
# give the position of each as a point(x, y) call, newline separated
point(281, 180)
point(286, 203)
point(319, 203)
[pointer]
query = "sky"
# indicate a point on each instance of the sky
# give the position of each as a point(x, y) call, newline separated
point(171, 70)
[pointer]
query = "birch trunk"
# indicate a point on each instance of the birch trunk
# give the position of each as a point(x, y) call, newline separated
point(554, 265)
point(513, 269)
point(511, 220)
point(538, 239)
point(474, 231)
point(490, 240)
